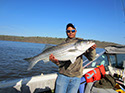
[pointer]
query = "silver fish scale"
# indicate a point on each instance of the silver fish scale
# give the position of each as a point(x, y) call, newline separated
point(57, 51)
point(61, 47)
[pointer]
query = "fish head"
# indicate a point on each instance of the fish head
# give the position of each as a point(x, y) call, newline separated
point(83, 45)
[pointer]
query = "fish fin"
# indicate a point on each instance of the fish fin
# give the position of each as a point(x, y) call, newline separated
point(47, 46)
point(72, 50)
point(73, 59)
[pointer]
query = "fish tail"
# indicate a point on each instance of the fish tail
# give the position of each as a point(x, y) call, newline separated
point(31, 61)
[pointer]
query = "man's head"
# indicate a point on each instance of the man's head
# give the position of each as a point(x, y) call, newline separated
point(71, 30)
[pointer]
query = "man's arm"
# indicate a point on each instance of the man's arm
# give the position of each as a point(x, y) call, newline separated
point(91, 53)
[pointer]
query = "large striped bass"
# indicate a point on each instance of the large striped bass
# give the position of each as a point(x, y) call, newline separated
point(62, 52)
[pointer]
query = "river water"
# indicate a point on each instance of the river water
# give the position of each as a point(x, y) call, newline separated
point(13, 66)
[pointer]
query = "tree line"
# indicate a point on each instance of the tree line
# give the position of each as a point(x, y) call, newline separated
point(48, 40)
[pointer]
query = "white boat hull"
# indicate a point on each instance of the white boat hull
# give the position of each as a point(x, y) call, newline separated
point(29, 85)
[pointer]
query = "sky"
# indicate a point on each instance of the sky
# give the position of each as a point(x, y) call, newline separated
point(102, 20)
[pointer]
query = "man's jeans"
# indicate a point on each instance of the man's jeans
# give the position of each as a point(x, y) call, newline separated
point(65, 84)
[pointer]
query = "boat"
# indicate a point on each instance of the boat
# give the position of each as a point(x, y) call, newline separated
point(114, 61)
point(109, 57)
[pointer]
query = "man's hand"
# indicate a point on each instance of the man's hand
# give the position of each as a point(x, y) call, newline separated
point(53, 59)
point(92, 47)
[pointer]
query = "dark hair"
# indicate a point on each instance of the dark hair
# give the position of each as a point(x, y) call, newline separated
point(70, 25)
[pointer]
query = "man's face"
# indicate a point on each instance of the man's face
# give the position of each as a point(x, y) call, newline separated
point(70, 32)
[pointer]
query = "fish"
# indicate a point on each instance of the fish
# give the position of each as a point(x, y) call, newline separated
point(63, 52)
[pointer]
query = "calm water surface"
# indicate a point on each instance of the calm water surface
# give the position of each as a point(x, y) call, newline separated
point(13, 66)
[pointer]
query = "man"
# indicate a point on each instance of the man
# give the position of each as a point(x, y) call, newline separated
point(69, 76)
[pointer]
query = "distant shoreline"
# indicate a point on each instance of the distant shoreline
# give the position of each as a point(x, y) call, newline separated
point(48, 40)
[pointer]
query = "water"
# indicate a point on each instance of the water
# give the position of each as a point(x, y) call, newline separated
point(13, 66)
